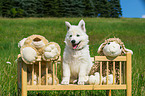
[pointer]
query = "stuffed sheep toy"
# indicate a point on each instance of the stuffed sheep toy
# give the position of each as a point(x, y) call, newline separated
point(36, 46)
point(111, 48)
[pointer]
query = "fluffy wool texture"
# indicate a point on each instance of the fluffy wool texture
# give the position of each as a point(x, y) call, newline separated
point(110, 79)
point(95, 79)
point(76, 57)
point(51, 51)
point(37, 45)
point(29, 54)
point(112, 48)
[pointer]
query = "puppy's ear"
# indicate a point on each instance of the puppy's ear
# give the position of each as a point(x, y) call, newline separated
point(82, 25)
point(68, 25)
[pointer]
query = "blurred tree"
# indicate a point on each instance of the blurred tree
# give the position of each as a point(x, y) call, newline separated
point(39, 8)
point(51, 8)
point(29, 7)
point(72, 8)
point(0, 8)
point(107, 8)
point(60, 8)
point(89, 8)
point(6, 7)
point(115, 8)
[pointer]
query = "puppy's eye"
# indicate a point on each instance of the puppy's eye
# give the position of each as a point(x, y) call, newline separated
point(78, 35)
point(108, 43)
point(70, 35)
point(120, 47)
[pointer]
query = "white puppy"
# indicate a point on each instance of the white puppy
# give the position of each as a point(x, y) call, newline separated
point(76, 57)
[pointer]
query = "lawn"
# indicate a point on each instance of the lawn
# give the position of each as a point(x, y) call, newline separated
point(130, 30)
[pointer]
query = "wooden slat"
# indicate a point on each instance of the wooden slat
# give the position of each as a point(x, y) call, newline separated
point(124, 72)
point(103, 58)
point(100, 73)
point(109, 87)
point(39, 73)
point(56, 68)
point(24, 79)
point(113, 72)
point(19, 65)
point(46, 73)
point(32, 74)
point(53, 80)
point(128, 73)
point(120, 63)
point(74, 87)
point(107, 72)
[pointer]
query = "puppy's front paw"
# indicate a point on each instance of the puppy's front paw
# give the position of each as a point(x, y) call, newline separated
point(65, 81)
point(81, 82)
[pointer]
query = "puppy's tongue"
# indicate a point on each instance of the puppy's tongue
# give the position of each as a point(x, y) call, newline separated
point(74, 46)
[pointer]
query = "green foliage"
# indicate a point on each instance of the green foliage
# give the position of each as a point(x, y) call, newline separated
point(108, 8)
point(60, 8)
point(29, 7)
point(89, 8)
point(72, 8)
point(51, 8)
point(6, 7)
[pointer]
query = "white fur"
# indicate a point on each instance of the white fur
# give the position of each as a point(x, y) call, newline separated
point(76, 62)
point(29, 54)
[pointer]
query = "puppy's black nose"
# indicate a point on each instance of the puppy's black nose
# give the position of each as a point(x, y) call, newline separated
point(73, 41)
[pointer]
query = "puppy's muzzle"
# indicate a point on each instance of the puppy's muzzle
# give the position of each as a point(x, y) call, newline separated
point(73, 41)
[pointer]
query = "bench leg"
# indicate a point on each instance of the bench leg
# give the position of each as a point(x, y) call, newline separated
point(24, 79)
point(108, 92)
point(128, 73)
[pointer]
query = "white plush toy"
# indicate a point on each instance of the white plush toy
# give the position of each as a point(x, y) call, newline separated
point(37, 45)
point(95, 79)
point(110, 79)
point(112, 48)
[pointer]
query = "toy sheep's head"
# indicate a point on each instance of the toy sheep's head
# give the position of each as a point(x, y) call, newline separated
point(112, 48)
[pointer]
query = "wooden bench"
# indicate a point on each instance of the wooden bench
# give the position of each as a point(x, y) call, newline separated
point(125, 71)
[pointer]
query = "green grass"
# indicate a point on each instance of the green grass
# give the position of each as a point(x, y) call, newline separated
point(130, 31)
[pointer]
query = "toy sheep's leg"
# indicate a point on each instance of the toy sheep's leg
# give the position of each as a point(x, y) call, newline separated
point(66, 74)
point(51, 50)
point(29, 54)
